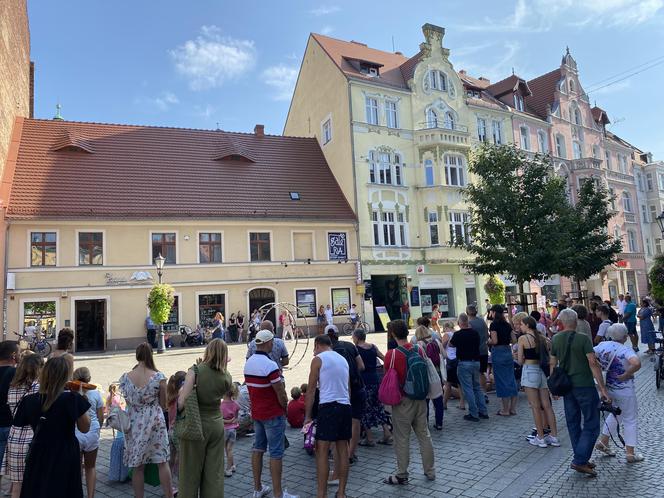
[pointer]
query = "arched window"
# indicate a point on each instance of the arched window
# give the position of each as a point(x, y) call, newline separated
point(449, 121)
point(627, 202)
point(577, 150)
point(576, 115)
point(542, 141)
point(432, 119)
point(437, 80)
point(428, 172)
point(571, 86)
point(385, 168)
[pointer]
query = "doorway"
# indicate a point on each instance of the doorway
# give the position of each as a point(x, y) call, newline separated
point(261, 297)
point(90, 325)
point(390, 291)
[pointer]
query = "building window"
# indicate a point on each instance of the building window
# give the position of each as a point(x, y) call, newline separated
point(164, 244)
point(649, 183)
point(376, 227)
point(43, 248)
point(389, 228)
point(455, 171)
point(385, 168)
point(432, 119)
point(340, 301)
point(209, 247)
point(437, 80)
point(459, 228)
point(661, 181)
point(208, 306)
point(560, 146)
point(259, 246)
point(617, 234)
point(658, 246)
point(428, 172)
point(653, 213)
point(496, 128)
point(627, 202)
point(576, 116)
point(648, 246)
point(577, 150)
point(90, 248)
point(40, 316)
point(607, 155)
point(631, 241)
point(644, 213)
point(612, 199)
point(542, 142)
point(481, 130)
point(450, 124)
point(525, 137)
point(433, 229)
point(327, 131)
point(623, 164)
point(402, 229)
point(639, 182)
point(571, 86)
point(305, 300)
point(372, 110)
point(518, 102)
point(391, 115)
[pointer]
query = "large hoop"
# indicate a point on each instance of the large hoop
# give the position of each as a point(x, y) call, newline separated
point(297, 325)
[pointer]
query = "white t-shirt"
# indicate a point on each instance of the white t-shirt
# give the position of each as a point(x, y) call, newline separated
point(603, 327)
point(618, 366)
point(621, 306)
point(94, 398)
point(329, 316)
point(449, 349)
point(333, 379)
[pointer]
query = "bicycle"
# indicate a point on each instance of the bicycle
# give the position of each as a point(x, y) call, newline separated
point(659, 363)
point(350, 326)
point(37, 344)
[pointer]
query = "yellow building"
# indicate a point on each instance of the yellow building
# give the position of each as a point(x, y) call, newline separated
point(397, 133)
point(242, 220)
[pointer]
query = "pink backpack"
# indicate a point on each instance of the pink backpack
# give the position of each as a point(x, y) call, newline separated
point(389, 392)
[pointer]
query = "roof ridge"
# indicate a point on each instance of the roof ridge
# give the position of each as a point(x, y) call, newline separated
point(543, 75)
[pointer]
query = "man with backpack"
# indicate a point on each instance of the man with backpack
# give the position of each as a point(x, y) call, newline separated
point(358, 395)
point(410, 413)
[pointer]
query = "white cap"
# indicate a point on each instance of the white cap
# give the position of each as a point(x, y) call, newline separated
point(264, 336)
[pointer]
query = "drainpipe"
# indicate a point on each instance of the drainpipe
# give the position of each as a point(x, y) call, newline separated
point(4, 275)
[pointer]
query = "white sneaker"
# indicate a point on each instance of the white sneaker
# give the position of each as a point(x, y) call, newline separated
point(538, 442)
point(551, 440)
point(286, 494)
point(265, 490)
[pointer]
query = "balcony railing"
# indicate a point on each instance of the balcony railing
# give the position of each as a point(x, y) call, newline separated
point(630, 217)
point(586, 163)
point(446, 133)
point(615, 175)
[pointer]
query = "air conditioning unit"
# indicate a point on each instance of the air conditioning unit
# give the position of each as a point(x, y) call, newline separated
point(11, 281)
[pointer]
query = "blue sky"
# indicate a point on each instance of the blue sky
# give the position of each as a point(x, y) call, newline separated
point(198, 63)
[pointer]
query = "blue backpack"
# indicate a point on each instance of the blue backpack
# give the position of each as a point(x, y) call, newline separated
point(416, 385)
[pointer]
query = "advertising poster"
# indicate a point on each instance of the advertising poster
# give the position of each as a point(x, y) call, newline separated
point(383, 315)
point(415, 296)
point(443, 302)
point(306, 302)
point(425, 299)
point(341, 301)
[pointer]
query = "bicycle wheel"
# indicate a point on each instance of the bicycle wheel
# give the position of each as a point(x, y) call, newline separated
point(347, 328)
point(659, 372)
point(42, 348)
point(365, 326)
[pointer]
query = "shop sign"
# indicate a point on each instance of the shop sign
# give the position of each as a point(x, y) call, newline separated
point(469, 280)
point(437, 282)
point(138, 277)
point(337, 247)
point(383, 315)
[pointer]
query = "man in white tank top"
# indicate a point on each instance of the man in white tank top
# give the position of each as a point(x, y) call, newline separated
point(329, 371)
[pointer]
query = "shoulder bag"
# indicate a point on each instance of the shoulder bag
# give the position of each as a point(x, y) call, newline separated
point(188, 426)
point(389, 392)
point(559, 381)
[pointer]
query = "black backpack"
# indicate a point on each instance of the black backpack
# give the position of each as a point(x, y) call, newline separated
point(559, 381)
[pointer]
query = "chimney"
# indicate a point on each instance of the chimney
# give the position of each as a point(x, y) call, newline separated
point(486, 80)
point(259, 130)
point(398, 53)
point(463, 72)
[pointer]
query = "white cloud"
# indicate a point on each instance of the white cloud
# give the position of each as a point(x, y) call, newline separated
point(211, 59)
point(326, 30)
point(282, 79)
point(163, 102)
point(324, 10)
point(494, 69)
point(542, 15)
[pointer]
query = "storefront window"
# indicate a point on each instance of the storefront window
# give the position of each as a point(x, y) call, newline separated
point(444, 298)
point(208, 306)
point(39, 318)
point(341, 301)
point(305, 301)
point(173, 322)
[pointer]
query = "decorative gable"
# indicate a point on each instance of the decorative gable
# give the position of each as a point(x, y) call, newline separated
point(231, 149)
point(72, 141)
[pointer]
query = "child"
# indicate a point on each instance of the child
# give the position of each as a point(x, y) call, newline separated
point(295, 410)
point(175, 383)
point(230, 410)
point(114, 398)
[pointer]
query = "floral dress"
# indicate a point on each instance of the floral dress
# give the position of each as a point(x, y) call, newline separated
point(147, 439)
point(19, 438)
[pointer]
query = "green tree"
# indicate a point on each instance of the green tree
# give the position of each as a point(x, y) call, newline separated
point(590, 247)
point(517, 206)
point(160, 302)
point(656, 277)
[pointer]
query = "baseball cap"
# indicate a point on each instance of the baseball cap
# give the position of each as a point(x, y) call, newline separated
point(331, 329)
point(264, 336)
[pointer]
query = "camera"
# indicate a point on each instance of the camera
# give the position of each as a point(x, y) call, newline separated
point(607, 406)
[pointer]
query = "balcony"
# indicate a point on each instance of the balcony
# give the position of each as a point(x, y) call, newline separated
point(442, 133)
point(630, 217)
point(622, 177)
point(586, 163)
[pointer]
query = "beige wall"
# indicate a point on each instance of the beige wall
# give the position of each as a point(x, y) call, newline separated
point(127, 250)
point(321, 93)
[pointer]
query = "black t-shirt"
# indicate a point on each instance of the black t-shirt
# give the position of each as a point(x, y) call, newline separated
point(503, 331)
point(349, 351)
point(467, 344)
point(6, 377)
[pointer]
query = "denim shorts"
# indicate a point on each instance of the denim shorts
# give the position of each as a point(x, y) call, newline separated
point(230, 435)
point(270, 434)
point(533, 376)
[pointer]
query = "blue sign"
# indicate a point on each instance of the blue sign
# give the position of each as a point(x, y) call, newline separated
point(337, 246)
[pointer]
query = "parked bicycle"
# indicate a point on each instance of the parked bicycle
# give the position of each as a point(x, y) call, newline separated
point(659, 363)
point(349, 327)
point(36, 343)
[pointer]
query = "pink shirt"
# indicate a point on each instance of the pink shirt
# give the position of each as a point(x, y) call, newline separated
point(229, 410)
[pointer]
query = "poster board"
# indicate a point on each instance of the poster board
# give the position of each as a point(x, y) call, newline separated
point(383, 315)
point(427, 307)
point(443, 302)
point(415, 296)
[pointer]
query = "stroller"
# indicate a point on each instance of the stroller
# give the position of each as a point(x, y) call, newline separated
point(190, 337)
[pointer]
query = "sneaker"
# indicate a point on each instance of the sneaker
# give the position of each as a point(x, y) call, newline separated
point(485, 416)
point(538, 442)
point(233, 469)
point(470, 418)
point(286, 494)
point(551, 440)
point(265, 490)
point(228, 473)
point(637, 457)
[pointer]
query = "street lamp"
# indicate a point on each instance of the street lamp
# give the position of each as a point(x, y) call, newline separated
point(159, 264)
point(660, 222)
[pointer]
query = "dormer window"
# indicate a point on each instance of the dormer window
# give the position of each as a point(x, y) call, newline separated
point(369, 69)
point(518, 102)
point(437, 80)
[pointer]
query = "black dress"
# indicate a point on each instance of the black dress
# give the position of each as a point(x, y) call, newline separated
point(53, 467)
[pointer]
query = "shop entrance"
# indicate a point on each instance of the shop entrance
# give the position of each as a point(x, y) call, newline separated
point(389, 291)
point(261, 297)
point(90, 325)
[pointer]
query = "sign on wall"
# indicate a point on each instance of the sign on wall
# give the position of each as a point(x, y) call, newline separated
point(415, 296)
point(337, 246)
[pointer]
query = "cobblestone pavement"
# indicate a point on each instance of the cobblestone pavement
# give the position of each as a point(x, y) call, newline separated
point(487, 459)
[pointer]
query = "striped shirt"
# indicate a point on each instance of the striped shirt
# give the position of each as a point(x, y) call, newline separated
point(260, 373)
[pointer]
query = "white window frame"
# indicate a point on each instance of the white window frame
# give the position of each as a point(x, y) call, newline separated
point(497, 131)
point(326, 130)
point(103, 246)
point(648, 246)
point(459, 164)
point(660, 176)
point(524, 131)
point(382, 221)
point(432, 221)
point(177, 245)
point(437, 80)
point(258, 230)
point(632, 243)
point(561, 150)
point(644, 213)
point(371, 109)
point(429, 165)
point(391, 114)
point(649, 182)
point(653, 213)
point(542, 142)
point(432, 118)
point(518, 102)
point(21, 310)
point(30, 231)
point(481, 129)
point(458, 219)
point(622, 159)
point(627, 201)
point(607, 158)
point(577, 149)
point(380, 174)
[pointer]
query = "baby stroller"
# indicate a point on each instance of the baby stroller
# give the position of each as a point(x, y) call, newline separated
point(190, 337)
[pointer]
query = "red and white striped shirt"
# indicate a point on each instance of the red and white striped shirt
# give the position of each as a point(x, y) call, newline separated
point(260, 373)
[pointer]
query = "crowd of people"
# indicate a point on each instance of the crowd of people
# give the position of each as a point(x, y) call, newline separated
point(179, 431)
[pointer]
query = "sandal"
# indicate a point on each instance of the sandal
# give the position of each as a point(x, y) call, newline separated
point(600, 446)
point(636, 457)
point(394, 480)
point(502, 414)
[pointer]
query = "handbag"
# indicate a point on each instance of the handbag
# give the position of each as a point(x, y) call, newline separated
point(118, 419)
point(189, 425)
point(559, 381)
point(435, 384)
point(389, 392)
point(151, 474)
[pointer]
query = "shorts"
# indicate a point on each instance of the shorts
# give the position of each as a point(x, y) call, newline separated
point(358, 402)
point(89, 441)
point(533, 376)
point(4, 435)
point(452, 377)
point(270, 434)
point(631, 328)
point(230, 435)
point(484, 362)
point(334, 422)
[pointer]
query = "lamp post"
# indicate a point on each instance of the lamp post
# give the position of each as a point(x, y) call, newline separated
point(159, 264)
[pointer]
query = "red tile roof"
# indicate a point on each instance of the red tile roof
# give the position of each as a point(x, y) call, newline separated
point(599, 115)
point(509, 85)
point(471, 81)
point(543, 90)
point(151, 172)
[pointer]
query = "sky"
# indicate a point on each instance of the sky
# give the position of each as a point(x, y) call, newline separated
point(230, 64)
